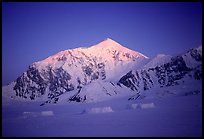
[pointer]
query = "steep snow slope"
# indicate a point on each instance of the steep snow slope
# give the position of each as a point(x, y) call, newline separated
point(160, 59)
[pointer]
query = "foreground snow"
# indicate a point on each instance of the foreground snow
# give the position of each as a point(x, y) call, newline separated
point(168, 116)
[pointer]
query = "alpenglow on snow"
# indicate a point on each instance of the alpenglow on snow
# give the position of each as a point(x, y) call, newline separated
point(100, 72)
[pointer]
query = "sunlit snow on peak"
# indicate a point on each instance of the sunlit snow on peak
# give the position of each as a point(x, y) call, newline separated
point(108, 51)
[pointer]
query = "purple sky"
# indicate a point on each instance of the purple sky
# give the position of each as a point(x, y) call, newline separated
point(34, 31)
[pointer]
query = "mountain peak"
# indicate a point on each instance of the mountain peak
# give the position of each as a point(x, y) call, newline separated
point(109, 43)
point(112, 46)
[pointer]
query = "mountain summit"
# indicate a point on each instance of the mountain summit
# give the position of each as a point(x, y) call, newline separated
point(108, 53)
point(109, 44)
point(106, 49)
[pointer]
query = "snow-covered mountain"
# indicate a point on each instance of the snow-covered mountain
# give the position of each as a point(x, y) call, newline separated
point(70, 70)
point(103, 71)
point(166, 71)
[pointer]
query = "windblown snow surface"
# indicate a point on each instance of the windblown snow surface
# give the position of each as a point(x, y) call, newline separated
point(165, 112)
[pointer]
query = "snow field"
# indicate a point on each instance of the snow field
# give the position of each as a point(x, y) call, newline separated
point(173, 117)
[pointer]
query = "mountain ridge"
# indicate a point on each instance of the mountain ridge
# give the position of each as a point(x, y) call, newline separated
point(112, 68)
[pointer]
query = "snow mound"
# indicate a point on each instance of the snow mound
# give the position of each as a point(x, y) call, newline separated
point(47, 113)
point(99, 110)
point(147, 105)
point(29, 114)
point(132, 106)
point(140, 106)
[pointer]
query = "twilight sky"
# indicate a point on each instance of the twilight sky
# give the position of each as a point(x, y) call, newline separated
point(33, 31)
